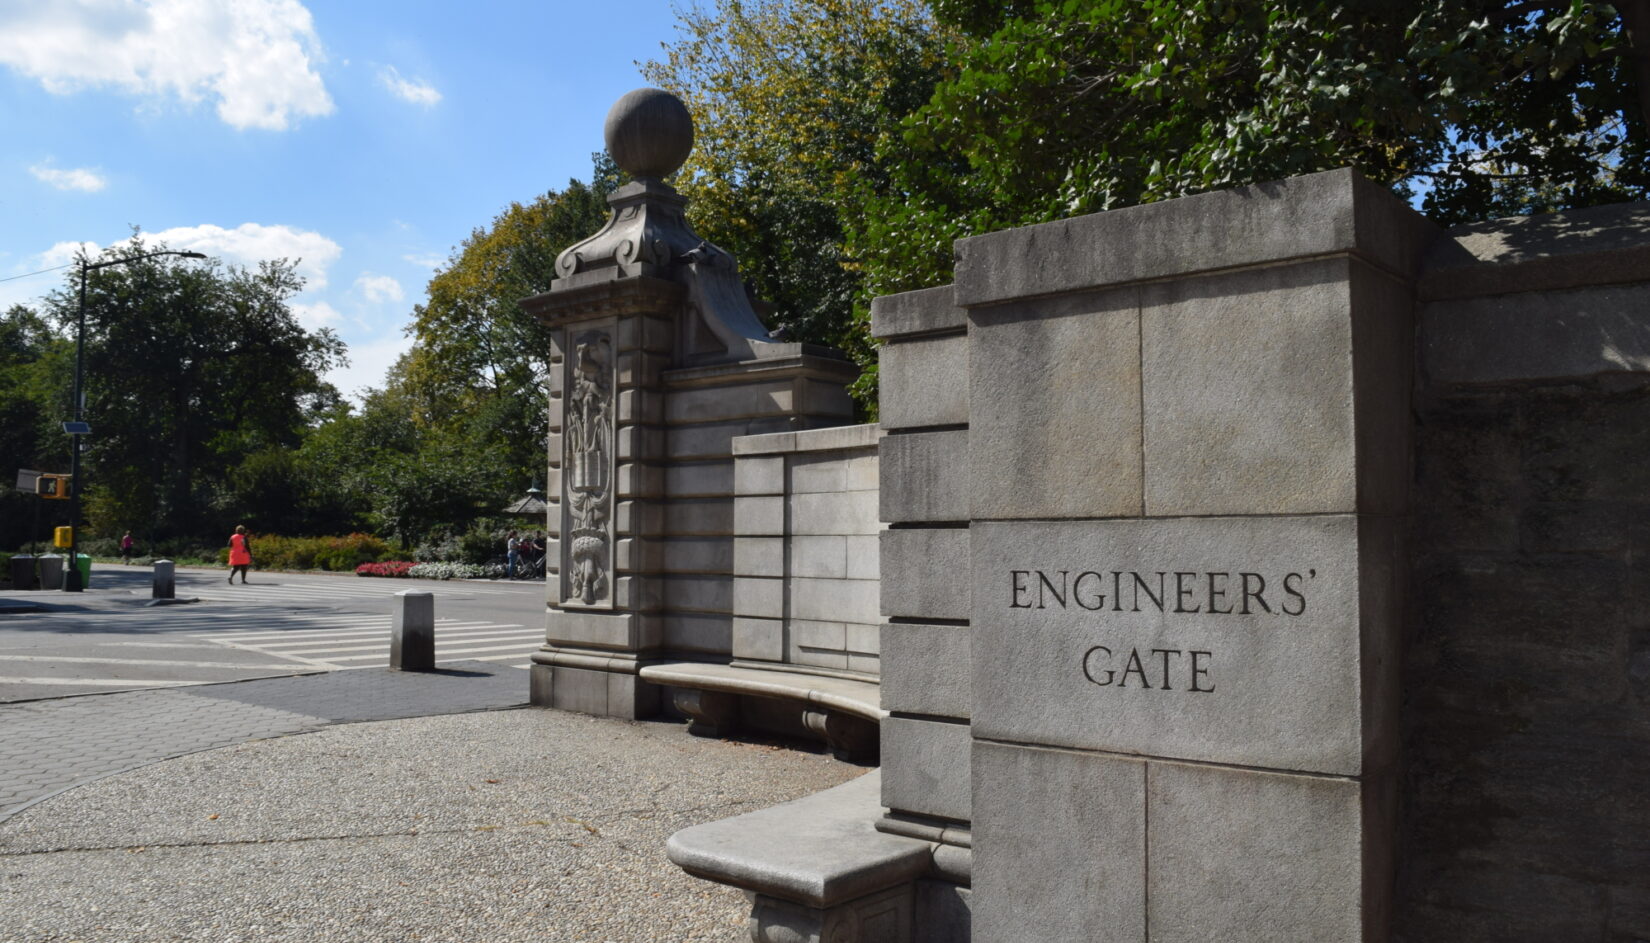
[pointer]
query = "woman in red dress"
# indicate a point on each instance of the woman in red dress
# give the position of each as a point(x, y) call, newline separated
point(240, 554)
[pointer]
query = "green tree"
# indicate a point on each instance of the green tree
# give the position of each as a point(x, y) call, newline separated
point(33, 361)
point(844, 145)
point(383, 469)
point(474, 382)
point(790, 99)
point(190, 368)
point(1064, 107)
point(30, 355)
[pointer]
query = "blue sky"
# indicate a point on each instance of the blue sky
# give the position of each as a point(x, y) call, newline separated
point(367, 137)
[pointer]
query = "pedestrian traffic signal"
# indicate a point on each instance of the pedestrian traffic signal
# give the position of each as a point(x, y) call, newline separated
point(55, 487)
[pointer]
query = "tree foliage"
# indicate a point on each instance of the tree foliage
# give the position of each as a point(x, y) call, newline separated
point(1064, 107)
point(190, 369)
point(474, 382)
point(790, 100)
point(842, 147)
point(34, 363)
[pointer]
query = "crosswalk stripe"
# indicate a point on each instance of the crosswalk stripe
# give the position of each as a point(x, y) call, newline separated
point(135, 662)
point(515, 651)
point(328, 624)
point(379, 646)
point(212, 589)
point(249, 635)
point(381, 625)
point(367, 639)
point(217, 620)
point(310, 662)
point(277, 642)
point(149, 645)
point(96, 682)
point(294, 638)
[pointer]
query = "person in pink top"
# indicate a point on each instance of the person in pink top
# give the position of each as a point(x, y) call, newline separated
point(240, 554)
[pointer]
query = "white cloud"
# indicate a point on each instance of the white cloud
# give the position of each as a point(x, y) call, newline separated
point(379, 288)
point(246, 244)
point(80, 178)
point(63, 253)
point(251, 243)
point(315, 316)
point(425, 260)
point(368, 363)
point(256, 58)
point(416, 91)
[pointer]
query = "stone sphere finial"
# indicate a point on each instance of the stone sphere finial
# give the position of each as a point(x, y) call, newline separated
point(649, 133)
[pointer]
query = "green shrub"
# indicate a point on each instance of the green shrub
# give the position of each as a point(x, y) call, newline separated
point(347, 553)
point(101, 547)
point(339, 554)
point(483, 542)
point(439, 549)
point(186, 552)
point(273, 552)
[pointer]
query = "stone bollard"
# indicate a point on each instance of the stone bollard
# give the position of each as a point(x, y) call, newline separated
point(165, 585)
point(412, 632)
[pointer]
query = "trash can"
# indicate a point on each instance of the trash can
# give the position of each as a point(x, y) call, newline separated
point(51, 571)
point(22, 571)
point(85, 563)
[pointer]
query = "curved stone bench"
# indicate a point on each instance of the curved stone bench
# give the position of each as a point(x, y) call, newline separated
point(845, 713)
point(819, 869)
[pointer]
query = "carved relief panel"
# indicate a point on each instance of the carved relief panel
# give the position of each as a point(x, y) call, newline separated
point(588, 453)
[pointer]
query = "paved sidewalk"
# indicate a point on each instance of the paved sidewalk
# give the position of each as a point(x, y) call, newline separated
point(49, 746)
point(500, 826)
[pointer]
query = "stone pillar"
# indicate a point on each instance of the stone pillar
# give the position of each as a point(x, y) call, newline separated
point(658, 361)
point(926, 587)
point(611, 344)
point(1188, 463)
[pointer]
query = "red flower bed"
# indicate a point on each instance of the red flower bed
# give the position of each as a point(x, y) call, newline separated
point(389, 568)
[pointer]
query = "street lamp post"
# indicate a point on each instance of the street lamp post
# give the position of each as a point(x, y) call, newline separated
point(71, 579)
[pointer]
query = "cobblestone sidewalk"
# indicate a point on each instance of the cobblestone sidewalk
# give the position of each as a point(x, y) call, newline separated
point(49, 746)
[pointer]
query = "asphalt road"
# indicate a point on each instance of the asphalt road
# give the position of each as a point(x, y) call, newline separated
point(108, 639)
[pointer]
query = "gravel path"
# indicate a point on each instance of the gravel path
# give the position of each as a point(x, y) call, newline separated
point(503, 826)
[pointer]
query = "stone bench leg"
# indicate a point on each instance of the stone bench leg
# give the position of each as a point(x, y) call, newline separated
point(710, 713)
point(883, 917)
point(850, 738)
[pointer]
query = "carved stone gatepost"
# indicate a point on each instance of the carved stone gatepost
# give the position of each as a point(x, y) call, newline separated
point(657, 362)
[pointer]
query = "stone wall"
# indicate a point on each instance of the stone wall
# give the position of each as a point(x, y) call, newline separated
point(925, 589)
point(707, 410)
point(805, 550)
point(1524, 696)
point(1261, 565)
point(1527, 684)
point(925, 592)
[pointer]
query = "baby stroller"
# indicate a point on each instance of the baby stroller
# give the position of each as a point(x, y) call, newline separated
point(530, 562)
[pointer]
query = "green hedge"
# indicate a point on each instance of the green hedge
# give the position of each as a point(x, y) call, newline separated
point(341, 554)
